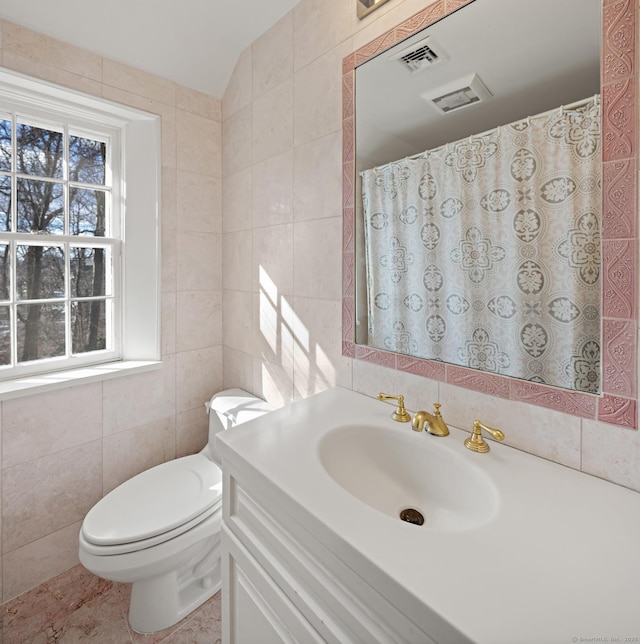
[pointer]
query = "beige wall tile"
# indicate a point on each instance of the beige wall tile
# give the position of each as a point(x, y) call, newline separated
point(317, 178)
point(272, 122)
point(273, 56)
point(237, 264)
point(237, 140)
point(199, 261)
point(318, 97)
point(169, 140)
point(237, 201)
point(274, 320)
point(199, 320)
point(190, 100)
point(272, 188)
point(199, 203)
point(169, 202)
point(238, 323)
point(319, 27)
point(168, 323)
point(318, 359)
point(199, 375)
point(306, 385)
point(138, 82)
point(370, 379)
point(317, 261)
point(273, 259)
point(273, 383)
point(169, 276)
point(192, 431)
point(128, 453)
point(52, 74)
point(544, 432)
point(47, 423)
point(199, 144)
point(38, 47)
point(612, 453)
point(238, 369)
point(50, 493)
point(32, 564)
point(139, 399)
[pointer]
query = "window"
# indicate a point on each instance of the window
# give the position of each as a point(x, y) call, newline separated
point(59, 247)
point(79, 230)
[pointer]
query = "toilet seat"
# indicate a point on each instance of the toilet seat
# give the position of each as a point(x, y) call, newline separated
point(154, 506)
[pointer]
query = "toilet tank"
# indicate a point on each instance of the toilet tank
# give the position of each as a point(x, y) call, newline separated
point(227, 409)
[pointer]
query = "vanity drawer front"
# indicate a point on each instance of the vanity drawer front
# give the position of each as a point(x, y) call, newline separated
point(256, 610)
point(339, 604)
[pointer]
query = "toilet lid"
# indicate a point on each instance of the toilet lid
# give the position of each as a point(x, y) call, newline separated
point(156, 501)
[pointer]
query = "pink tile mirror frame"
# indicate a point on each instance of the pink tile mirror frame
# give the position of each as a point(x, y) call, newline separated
point(618, 402)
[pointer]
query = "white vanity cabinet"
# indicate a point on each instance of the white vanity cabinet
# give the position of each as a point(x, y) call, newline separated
point(281, 583)
point(514, 549)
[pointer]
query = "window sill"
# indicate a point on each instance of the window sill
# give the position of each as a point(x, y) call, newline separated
point(31, 385)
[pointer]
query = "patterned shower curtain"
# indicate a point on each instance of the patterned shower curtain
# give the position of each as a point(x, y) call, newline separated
point(486, 252)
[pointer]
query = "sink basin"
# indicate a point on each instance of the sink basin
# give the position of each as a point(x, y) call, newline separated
point(391, 471)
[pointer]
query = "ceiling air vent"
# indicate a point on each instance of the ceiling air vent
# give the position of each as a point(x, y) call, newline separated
point(461, 93)
point(425, 53)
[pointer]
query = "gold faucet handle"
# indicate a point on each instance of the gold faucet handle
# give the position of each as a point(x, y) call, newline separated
point(476, 442)
point(400, 414)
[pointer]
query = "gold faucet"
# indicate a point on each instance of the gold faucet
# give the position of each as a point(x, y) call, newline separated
point(400, 414)
point(434, 423)
point(476, 442)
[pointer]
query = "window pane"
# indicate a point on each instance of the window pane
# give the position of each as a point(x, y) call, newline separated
point(87, 212)
point(41, 331)
point(39, 151)
point(5, 145)
point(5, 271)
point(87, 160)
point(5, 203)
point(5, 335)
point(40, 206)
point(88, 323)
point(88, 271)
point(40, 272)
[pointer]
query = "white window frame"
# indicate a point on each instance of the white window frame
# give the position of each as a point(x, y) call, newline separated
point(138, 157)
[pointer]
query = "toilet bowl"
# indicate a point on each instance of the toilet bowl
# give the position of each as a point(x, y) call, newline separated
point(160, 530)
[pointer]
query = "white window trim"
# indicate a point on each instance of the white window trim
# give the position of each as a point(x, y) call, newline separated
point(141, 267)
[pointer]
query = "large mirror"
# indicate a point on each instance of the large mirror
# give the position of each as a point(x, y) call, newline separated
point(478, 158)
point(439, 96)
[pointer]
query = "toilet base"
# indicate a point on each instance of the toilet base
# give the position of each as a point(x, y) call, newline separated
point(169, 580)
point(162, 601)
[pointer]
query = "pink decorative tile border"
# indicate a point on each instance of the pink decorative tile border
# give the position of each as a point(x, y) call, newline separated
point(618, 402)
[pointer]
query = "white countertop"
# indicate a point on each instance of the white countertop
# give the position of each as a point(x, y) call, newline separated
point(559, 560)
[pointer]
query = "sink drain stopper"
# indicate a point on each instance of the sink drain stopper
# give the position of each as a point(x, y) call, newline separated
point(411, 515)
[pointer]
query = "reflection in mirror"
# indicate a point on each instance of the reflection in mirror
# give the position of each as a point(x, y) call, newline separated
point(478, 160)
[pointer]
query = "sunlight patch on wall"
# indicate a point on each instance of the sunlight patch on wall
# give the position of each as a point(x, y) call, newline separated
point(289, 352)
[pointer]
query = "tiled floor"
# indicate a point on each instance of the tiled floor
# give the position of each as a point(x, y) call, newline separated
point(79, 607)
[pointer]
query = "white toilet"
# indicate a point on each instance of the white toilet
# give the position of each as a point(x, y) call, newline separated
point(160, 530)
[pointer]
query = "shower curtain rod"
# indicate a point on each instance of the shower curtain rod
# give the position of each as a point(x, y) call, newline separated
point(565, 108)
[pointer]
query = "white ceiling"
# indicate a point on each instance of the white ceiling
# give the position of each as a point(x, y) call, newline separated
point(193, 42)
